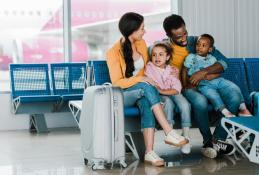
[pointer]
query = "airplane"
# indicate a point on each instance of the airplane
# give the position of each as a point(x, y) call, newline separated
point(42, 39)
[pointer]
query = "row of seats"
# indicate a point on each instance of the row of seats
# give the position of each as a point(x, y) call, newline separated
point(49, 87)
point(37, 90)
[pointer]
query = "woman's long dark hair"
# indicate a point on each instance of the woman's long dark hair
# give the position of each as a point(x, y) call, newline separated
point(129, 23)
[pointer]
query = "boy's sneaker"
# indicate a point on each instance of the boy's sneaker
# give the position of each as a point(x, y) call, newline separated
point(223, 147)
point(186, 149)
point(244, 113)
point(152, 158)
point(208, 151)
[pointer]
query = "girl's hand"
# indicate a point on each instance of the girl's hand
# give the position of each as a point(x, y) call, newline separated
point(148, 80)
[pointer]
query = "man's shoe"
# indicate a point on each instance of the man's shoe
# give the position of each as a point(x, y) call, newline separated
point(208, 151)
point(223, 147)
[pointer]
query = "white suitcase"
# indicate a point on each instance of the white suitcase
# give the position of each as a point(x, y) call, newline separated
point(102, 126)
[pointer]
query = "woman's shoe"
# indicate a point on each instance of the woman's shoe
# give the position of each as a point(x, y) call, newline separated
point(175, 139)
point(152, 158)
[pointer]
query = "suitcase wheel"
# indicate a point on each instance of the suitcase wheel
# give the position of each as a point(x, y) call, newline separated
point(94, 167)
point(86, 161)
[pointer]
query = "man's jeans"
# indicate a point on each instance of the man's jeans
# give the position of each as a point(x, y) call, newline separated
point(145, 96)
point(199, 105)
point(179, 101)
point(213, 90)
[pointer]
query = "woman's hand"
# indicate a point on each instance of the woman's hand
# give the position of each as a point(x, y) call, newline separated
point(148, 80)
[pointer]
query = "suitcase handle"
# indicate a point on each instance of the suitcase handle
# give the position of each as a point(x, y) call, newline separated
point(116, 124)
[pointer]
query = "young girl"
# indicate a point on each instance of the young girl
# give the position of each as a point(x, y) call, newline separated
point(168, 85)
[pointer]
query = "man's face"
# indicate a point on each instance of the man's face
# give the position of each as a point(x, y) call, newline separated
point(179, 36)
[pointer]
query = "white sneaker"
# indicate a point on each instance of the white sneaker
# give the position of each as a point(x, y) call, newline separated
point(175, 139)
point(209, 152)
point(152, 158)
point(186, 149)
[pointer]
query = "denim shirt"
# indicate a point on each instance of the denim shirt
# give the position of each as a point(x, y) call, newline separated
point(191, 47)
point(196, 62)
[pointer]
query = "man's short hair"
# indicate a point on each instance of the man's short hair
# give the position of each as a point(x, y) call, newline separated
point(172, 22)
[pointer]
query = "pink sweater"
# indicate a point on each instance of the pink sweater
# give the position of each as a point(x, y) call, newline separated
point(166, 79)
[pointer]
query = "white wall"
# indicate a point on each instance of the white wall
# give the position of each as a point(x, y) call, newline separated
point(9, 121)
point(233, 23)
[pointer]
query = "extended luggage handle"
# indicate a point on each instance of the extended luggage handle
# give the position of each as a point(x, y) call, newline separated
point(114, 111)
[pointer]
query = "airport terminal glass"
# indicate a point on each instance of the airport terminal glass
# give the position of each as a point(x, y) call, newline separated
point(95, 24)
point(31, 32)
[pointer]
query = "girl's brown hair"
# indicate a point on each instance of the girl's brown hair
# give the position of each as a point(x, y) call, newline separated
point(166, 46)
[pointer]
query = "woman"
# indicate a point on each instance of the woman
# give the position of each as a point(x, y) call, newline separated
point(126, 62)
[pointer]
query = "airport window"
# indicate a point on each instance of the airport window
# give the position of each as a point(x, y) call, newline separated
point(34, 33)
point(96, 28)
point(31, 32)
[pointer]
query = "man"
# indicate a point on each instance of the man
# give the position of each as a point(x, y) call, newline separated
point(182, 45)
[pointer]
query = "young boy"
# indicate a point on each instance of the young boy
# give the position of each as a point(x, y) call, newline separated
point(212, 89)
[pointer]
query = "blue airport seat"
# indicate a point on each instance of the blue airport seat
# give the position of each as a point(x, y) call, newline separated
point(68, 80)
point(237, 74)
point(30, 83)
point(100, 72)
point(252, 65)
point(31, 93)
point(100, 75)
point(131, 111)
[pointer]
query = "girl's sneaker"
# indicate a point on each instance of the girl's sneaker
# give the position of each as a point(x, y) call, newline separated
point(175, 139)
point(186, 149)
point(152, 158)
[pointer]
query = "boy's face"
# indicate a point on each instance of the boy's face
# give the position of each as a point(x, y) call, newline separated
point(179, 36)
point(203, 46)
point(159, 57)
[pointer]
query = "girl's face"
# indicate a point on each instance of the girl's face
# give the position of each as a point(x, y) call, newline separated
point(203, 47)
point(159, 57)
point(138, 34)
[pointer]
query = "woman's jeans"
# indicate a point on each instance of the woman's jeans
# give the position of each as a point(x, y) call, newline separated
point(214, 89)
point(184, 108)
point(145, 96)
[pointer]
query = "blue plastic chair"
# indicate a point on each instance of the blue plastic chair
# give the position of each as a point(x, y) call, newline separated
point(252, 65)
point(31, 93)
point(237, 74)
point(68, 80)
point(30, 83)
point(100, 75)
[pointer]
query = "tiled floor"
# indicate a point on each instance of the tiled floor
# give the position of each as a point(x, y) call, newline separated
point(59, 153)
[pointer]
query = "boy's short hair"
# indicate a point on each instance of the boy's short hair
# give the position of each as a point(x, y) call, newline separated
point(209, 37)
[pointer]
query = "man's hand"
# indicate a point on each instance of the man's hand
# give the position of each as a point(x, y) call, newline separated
point(197, 77)
point(189, 86)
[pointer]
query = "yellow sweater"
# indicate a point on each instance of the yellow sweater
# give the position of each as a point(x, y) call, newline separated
point(117, 66)
point(178, 55)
